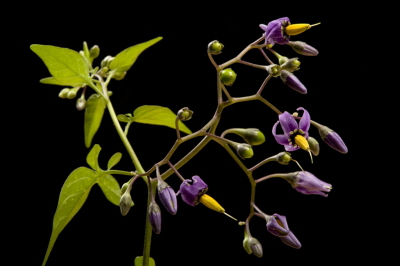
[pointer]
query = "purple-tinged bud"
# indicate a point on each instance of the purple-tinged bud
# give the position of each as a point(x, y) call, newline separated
point(291, 240)
point(303, 48)
point(277, 225)
point(167, 196)
point(293, 82)
point(307, 183)
point(314, 146)
point(191, 193)
point(155, 217)
point(332, 139)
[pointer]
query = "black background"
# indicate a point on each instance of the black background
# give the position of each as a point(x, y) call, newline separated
point(176, 73)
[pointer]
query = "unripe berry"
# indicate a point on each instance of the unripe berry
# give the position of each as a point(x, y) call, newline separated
point(227, 76)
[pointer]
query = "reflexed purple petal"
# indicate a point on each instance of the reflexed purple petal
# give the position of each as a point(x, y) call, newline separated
point(293, 82)
point(273, 31)
point(288, 123)
point(291, 240)
point(280, 138)
point(291, 148)
point(304, 123)
point(277, 225)
point(191, 193)
point(335, 141)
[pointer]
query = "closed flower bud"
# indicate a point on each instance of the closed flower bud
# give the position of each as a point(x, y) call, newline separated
point(126, 203)
point(109, 93)
point(303, 48)
point(307, 183)
point(252, 136)
point(283, 158)
point(227, 76)
point(124, 187)
point(167, 196)
point(252, 245)
point(185, 114)
point(119, 75)
point(80, 104)
point(291, 65)
point(273, 70)
point(94, 52)
point(71, 94)
point(244, 150)
point(155, 217)
point(277, 225)
point(64, 93)
point(314, 146)
point(215, 47)
point(106, 61)
point(332, 138)
point(293, 82)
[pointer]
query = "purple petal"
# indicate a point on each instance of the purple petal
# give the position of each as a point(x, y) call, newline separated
point(280, 138)
point(277, 225)
point(304, 123)
point(291, 148)
point(191, 193)
point(288, 123)
point(291, 240)
point(293, 82)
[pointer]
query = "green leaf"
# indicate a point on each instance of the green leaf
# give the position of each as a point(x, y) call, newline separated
point(93, 156)
point(94, 111)
point(125, 59)
point(111, 188)
point(53, 81)
point(65, 65)
point(157, 115)
point(73, 195)
point(139, 261)
point(114, 160)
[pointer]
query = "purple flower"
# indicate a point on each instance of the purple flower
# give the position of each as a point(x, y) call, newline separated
point(192, 193)
point(293, 131)
point(167, 196)
point(278, 226)
point(275, 31)
point(307, 183)
point(292, 82)
point(155, 217)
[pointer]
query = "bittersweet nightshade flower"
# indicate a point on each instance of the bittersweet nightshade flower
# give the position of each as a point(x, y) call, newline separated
point(291, 240)
point(332, 138)
point(277, 225)
point(292, 81)
point(191, 193)
point(294, 133)
point(167, 196)
point(303, 48)
point(155, 217)
point(307, 183)
point(275, 31)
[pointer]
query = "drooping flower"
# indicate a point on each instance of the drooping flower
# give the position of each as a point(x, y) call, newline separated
point(191, 193)
point(155, 217)
point(275, 31)
point(167, 196)
point(278, 226)
point(295, 134)
point(307, 183)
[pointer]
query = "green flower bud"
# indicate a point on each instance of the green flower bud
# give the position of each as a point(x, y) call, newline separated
point(80, 104)
point(64, 93)
point(227, 76)
point(281, 59)
point(109, 93)
point(244, 150)
point(283, 158)
point(185, 114)
point(126, 203)
point(94, 52)
point(119, 75)
point(215, 47)
point(106, 61)
point(314, 146)
point(124, 187)
point(273, 70)
point(252, 136)
point(71, 94)
point(291, 65)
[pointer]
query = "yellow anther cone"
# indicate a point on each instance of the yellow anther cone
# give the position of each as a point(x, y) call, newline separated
point(212, 204)
point(295, 29)
point(302, 142)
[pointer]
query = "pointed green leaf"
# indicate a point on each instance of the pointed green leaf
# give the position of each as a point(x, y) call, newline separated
point(53, 81)
point(139, 261)
point(114, 160)
point(93, 157)
point(65, 65)
point(125, 59)
point(73, 195)
point(157, 115)
point(94, 111)
point(111, 188)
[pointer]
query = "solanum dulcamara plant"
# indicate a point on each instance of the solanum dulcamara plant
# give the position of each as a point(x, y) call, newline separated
point(89, 85)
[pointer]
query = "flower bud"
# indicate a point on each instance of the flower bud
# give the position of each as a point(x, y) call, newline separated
point(109, 93)
point(293, 82)
point(244, 150)
point(303, 48)
point(64, 93)
point(227, 76)
point(273, 70)
point(155, 217)
point(283, 158)
point(252, 245)
point(80, 104)
point(126, 203)
point(291, 65)
point(167, 196)
point(106, 61)
point(124, 187)
point(253, 136)
point(215, 47)
point(277, 225)
point(332, 139)
point(191, 193)
point(119, 75)
point(307, 183)
point(185, 114)
point(314, 146)
point(94, 52)
point(71, 94)
point(281, 59)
